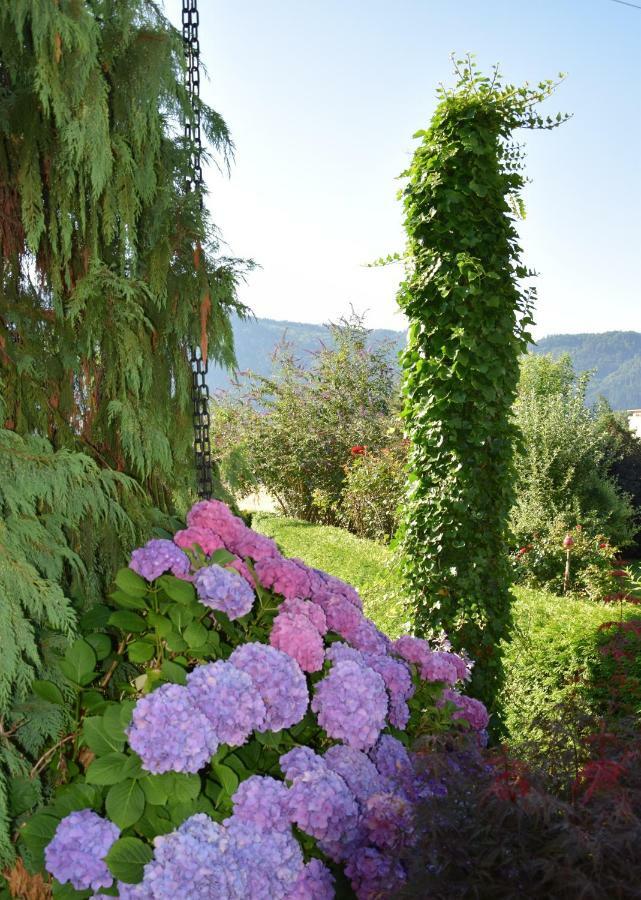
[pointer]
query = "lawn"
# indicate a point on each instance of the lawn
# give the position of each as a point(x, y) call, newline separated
point(554, 642)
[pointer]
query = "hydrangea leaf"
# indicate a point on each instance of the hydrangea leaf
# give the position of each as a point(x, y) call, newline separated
point(125, 803)
point(127, 859)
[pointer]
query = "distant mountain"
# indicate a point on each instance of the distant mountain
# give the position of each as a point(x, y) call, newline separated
point(256, 340)
point(615, 356)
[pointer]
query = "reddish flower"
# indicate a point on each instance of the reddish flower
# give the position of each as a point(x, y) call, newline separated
point(358, 450)
point(568, 541)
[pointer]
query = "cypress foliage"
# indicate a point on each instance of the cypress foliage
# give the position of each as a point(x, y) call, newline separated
point(109, 272)
point(468, 317)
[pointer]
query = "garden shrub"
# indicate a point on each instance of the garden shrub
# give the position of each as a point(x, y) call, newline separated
point(554, 658)
point(505, 829)
point(373, 492)
point(564, 458)
point(468, 317)
point(225, 694)
point(293, 434)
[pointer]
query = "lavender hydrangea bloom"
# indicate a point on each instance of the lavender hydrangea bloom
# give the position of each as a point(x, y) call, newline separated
point(300, 760)
point(229, 700)
point(315, 882)
point(395, 766)
point(297, 636)
point(309, 610)
point(351, 704)
point(157, 557)
point(169, 733)
point(256, 546)
point(223, 590)
point(356, 769)
point(125, 892)
point(389, 821)
point(190, 862)
point(374, 875)
point(279, 681)
point(398, 681)
point(78, 848)
point(342, 616)
point(329, 584)
point(369, 639)
point(322, 805)
point(262, 801)
point(270, 862)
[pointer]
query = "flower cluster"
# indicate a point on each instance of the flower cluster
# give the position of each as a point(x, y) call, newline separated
point(357, 800)
point(77, 851)
point(224, 590)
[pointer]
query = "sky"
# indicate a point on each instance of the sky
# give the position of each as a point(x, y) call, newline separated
point(322, 100)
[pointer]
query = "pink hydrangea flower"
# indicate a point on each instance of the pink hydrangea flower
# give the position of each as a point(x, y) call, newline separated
point(368, 638)
point(205, 538)
point(342, 616)
point(256, 546)
point(310, 610)
point(297, 636)
point(325, 584)
point(433, 665)
point(284, 576)
point(470, 709)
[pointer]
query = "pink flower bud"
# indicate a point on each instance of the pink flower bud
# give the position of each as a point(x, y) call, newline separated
point(568, 541)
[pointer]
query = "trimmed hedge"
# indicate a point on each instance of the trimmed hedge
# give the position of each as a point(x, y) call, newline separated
point(555, 656)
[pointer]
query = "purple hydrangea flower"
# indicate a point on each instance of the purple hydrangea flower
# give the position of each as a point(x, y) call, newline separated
point(297, 636)
point(300, 760)
point(315, 882)
point(356, 769)
point(269, 861)
point(256, 546)
point(398, 681)
point(395, 766)
point(468, 708)
point(388, 820)
point(342, 616)
point(322, 805)
point(369, 639)
point(288, 577)
point(262, 801)
point(215, 516)
point(169, 732)
point(157, 557)
point(433, 665)
point(340, 652)
point(223, 590)
point(351, 704)
point(78, 848)
point(228, 698)
point(374, 875)
point(329, 584)
point(193, 862)
point(279, 681)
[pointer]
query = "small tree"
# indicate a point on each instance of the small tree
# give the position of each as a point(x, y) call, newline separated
point(468, 317)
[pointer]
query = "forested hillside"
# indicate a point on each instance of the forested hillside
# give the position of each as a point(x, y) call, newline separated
point(614, 356)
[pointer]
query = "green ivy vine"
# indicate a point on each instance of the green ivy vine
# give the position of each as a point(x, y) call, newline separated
point(469, 314)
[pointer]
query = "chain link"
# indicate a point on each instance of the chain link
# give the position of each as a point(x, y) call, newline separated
point(199, 365)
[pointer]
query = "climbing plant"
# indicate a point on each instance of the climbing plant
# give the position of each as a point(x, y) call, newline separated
point(469, 313)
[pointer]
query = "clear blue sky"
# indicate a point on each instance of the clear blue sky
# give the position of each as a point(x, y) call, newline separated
point(323, 98)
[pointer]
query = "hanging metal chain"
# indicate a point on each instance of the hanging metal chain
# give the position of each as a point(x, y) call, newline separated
point(199, 364)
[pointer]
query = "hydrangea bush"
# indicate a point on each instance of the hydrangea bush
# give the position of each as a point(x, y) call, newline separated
point(244, 731)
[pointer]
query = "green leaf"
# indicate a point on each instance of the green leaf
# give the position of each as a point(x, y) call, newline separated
point(140, 652)
point(97, 739)
point(23, 795)
point(73, 797)
point(131, 583)
point(177, 589)
point(174, 673)
point(196, 635)
point(48, 691)
point(157, 788)
point(109, 769)
point(128, 602)
point(66, 891)
point(127, 858)
point(95, 618)
point(37, 833)
point(185, 787)
point(101, 644)
point(221, 557)
point(125, 803)
point(181, 616)
point(162, 624)
point(127, 620)
point(227, 777)
point(79, 661)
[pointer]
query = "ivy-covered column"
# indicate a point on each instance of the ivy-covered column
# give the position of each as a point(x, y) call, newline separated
point(468, 318)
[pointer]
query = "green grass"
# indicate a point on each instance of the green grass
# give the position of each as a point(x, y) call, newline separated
point(366, 565)
point(554, 642)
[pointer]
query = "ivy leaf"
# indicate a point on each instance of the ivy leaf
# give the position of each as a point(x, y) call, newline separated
point(125, 803)
point(127, 858)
